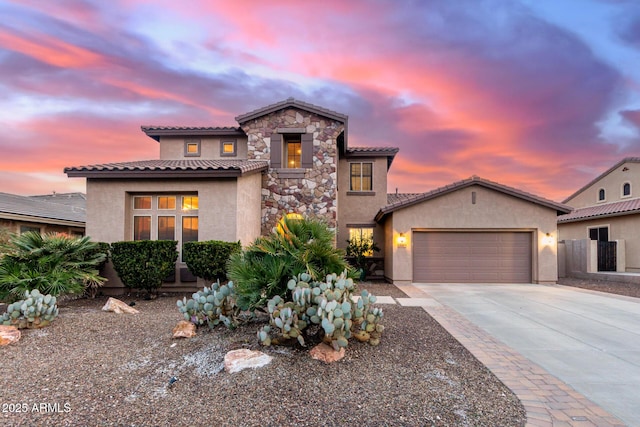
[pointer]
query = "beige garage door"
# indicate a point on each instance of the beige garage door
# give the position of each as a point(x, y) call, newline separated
point(470, 257)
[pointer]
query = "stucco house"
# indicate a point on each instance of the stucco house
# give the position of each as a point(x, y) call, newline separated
point(602, 233)
point(293, 157)
point(57, 212)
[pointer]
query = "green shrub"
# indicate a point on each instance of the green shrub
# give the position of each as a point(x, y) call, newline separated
point(52, 263)
point(144, 264)
point(297, 246)
point(208, 259)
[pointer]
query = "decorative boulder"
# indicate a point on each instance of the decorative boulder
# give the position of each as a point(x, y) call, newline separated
point(237, 360)
point(184, 329)
point(9, 335)
point(118, 307)
point(325, 353)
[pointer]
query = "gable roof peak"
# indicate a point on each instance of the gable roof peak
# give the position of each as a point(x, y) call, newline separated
point(288, 103)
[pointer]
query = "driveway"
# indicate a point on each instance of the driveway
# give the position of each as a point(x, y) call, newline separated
point(589, 340)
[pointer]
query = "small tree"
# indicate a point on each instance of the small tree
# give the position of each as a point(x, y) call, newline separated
point(52, 263)
point(144, 264)
point(360, 249)
point(208, 259)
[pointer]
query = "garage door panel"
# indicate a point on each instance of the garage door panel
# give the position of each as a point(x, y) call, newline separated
point(497, 257)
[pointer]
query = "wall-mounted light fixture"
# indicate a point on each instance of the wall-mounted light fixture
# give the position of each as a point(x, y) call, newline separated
point(401, 240)
point(548, 240)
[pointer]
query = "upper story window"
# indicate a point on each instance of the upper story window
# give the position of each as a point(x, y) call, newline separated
point(293, 151)
point(626, 189)
point(192, 148)
point(601, 195)
point(228, 148)
point(361, 176)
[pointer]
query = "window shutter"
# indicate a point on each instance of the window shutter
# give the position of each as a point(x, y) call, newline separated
point(276, 150)
point(307, 150)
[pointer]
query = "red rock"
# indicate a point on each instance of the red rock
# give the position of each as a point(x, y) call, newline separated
point(325, 353)
point(237, 360)
point(9, 335)
point(118, 307)
point(184, 329)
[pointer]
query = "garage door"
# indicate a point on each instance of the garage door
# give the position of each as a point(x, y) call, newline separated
point(470, 257)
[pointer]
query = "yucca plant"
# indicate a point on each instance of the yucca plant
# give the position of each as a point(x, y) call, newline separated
point(53, 263)
point(297, 246)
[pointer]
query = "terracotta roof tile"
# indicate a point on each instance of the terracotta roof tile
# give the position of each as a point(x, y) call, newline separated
point(198, 128)
point(13, 204)
point(625, 207)
point(414, 198)
point(239, 166)
point(382, 150)
point(398, 197)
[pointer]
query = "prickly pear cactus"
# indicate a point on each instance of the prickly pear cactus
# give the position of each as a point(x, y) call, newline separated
point(34, 311)
point(210, 306)
point(328, 304)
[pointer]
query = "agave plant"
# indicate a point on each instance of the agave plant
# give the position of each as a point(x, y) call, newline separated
point(296, 246)
point(53, 263)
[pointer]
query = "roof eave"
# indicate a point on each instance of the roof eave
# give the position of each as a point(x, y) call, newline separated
point(157, 133)
point(288, 103)
point(132, 174)
point(42, 219)
point(594, 217)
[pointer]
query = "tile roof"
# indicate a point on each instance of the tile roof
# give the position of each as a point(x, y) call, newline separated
point(69, 199)
point(397, 203)
point(170, 168)
point(14, 205)
point(398, 197)
point(156, 132)
point(605, 173)
point(376, 150)
point(625, 207)
point(291, 102)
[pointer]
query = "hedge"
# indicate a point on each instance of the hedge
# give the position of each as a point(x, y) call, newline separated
point(144, 264)
point(208, 259)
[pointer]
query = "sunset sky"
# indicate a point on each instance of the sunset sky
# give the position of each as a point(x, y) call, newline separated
point(542, 95)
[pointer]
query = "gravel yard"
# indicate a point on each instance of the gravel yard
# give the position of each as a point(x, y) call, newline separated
point(619, 288)
point(97, 368)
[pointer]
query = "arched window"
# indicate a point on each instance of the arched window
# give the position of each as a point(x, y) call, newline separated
point(601, 195)
point(626, 189)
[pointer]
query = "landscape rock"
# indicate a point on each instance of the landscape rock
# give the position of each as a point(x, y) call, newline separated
point(9, 335)
point(118, 307)
point(325, 353)
point(237, 360)
point(184, 329)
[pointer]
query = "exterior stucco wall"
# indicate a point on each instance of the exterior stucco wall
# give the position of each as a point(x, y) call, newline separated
point(248, 208)
point(172, 148)
point(359, 209)
point(315, 193)
point(493, 211)
point(625, 228)
point(612, 184)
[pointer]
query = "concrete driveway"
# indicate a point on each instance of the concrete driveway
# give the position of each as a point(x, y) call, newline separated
point(589, 340)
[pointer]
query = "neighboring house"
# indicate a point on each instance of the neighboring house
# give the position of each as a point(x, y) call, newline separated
point(292, 157)
point(606, 210)
point(62, 213)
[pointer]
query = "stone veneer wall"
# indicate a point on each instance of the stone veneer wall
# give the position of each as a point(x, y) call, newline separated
point(315, 195)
